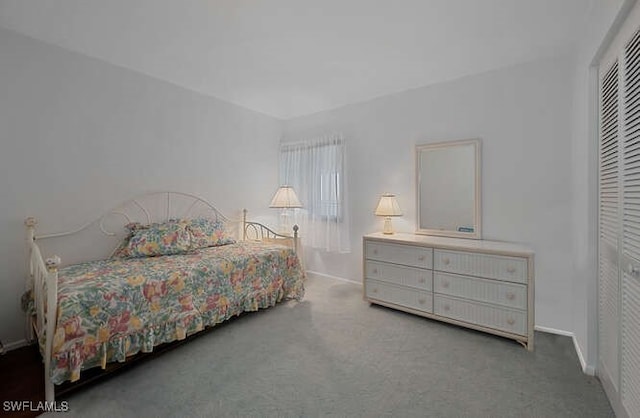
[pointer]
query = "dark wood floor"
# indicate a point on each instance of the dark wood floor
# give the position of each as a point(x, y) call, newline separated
point(21, 379)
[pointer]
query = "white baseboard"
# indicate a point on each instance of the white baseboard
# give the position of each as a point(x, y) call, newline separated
point(328, 276)
point(553, 331)
point(586, 368)
point(15, 344)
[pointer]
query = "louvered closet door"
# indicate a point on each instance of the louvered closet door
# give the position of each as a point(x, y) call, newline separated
point(630, 312)
point(619, 219)
point(609, 288)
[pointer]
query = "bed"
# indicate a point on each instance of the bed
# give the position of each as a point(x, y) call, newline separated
point(176, 267)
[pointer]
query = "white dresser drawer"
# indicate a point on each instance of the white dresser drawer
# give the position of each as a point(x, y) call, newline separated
point(401, 275)
point(512, 269)
point(408, 255)
point(491, 291)
point(403, 296)
point(484, 285)
point(504, 319)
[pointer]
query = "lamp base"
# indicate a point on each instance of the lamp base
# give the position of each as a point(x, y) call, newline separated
point(285, 223)
point(388, 228)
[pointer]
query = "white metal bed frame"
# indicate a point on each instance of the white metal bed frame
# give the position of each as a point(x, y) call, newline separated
point(42, 277)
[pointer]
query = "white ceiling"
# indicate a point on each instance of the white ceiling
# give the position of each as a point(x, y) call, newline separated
point(288, 58)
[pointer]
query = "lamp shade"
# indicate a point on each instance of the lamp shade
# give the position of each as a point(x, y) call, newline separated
point(285, 197)
point(388, 206)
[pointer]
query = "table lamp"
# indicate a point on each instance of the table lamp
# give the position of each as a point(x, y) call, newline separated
point(285, 199)
point(388, 207)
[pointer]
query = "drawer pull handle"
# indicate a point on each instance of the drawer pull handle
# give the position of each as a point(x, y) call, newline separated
point(375, 251)
point(421, 258)
point(511, 296)
point(375, 290)
point(446, 261)
point(375, 271)
point(422, 280)
point(447, 307)
point(445, 285)
point(511, 270)
point(511, 321)
point(421, 301)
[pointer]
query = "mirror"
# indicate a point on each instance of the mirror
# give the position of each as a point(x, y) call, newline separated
point(448, 189)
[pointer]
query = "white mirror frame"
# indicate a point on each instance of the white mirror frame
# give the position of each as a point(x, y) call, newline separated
point(477, 216)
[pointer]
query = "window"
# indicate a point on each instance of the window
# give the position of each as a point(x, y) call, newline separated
point(329, 195)
point(316, 171)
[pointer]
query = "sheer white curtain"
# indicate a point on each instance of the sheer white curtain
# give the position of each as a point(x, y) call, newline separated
point(316, 169)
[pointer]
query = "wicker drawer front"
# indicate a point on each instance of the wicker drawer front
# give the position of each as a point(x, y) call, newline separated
point(491, 291)
point(410, 298)
point(504, 319)
point(512, 269)
point(402, 275)
point(407, 255)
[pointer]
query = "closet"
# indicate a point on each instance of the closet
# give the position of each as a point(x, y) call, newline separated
point(619, 219)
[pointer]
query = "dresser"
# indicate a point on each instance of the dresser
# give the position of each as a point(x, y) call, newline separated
point(483, 285)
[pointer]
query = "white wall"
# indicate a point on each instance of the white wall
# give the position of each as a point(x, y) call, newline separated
point(522, 116)
point(584, 162)
point(78, 136)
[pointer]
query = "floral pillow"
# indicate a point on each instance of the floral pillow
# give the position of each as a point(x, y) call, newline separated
point(208, 233)
point(158, 239)
point(123, 249)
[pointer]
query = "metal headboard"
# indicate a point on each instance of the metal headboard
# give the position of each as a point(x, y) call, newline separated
point(146, 209)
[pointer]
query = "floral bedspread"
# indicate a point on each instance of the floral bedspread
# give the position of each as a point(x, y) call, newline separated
point(111, 309)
